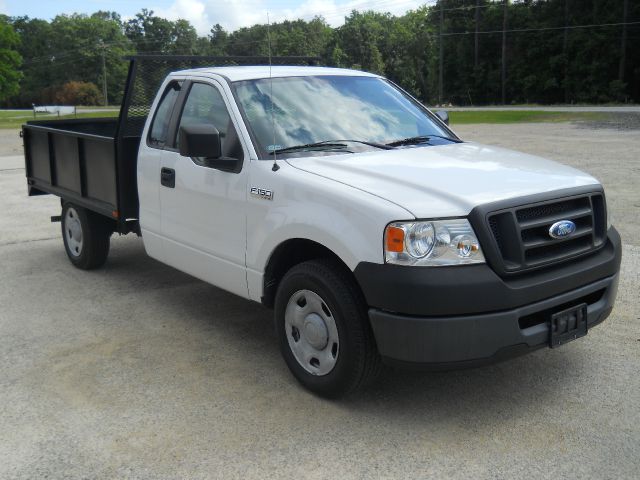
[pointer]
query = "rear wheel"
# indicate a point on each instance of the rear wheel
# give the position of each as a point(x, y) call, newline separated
point(323, 329)
point(86, 236)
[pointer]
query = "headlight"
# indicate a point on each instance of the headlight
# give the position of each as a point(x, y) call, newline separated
point(432, 243)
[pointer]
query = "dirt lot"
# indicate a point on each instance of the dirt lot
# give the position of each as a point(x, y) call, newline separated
point(139, 371)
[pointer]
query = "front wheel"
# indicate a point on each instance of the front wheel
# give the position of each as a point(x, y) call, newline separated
point(323, 329)
point(86, 236)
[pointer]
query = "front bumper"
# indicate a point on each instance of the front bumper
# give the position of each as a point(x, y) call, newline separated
point(449, 317)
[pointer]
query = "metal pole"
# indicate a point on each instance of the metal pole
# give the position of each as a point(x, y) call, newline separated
point(565, 47)
point(623, 43)
point(104, 73)
point(441, 72)
point(477, 40)
point(504, 52)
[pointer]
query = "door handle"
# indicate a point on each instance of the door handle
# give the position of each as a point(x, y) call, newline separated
point(168, 177)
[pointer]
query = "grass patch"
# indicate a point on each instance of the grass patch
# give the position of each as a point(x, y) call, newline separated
point(16, 118)
point(520, 116)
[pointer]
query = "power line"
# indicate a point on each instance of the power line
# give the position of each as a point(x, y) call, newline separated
point(571, 27)
point(341, 10)
point(381, 4)
point(474, 7)
point(62, 58)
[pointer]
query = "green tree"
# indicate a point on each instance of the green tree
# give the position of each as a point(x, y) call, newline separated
point(152, 34)
point(218, 40)
point(70, 48)
point(362, 37)
point(550, 56)
point(10, 60)
point(78, 43)
point(184, 39)
point(288, 38)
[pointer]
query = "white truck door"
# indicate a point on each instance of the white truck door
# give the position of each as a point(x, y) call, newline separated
point(150, 155)
point(203, 209)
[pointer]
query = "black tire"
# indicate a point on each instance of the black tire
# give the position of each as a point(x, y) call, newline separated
point(95, 232)
point(358, 361)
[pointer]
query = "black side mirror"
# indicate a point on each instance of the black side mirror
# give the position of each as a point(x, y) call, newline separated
point(200, 140)
point(443, 115)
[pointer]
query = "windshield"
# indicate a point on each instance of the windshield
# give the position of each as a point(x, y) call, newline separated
point(312, 109)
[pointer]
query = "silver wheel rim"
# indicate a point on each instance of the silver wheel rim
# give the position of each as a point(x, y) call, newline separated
point(73, 232)
point(311, 332)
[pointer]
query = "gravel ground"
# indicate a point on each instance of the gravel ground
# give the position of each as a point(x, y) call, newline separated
point(10, 142)
point(616, 121)
point(140, 371)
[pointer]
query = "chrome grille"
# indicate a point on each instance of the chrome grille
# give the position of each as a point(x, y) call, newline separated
point(521, 234)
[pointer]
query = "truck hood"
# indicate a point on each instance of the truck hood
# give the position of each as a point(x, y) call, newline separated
point(445, 180)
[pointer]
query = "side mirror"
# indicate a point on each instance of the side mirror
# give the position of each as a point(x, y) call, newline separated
point(443, 115)
point(200, 140)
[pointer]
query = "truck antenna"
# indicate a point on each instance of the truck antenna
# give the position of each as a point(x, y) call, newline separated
point(275, 166)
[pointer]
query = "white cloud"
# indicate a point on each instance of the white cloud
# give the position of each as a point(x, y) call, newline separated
point(3, 7)
point(233, 14)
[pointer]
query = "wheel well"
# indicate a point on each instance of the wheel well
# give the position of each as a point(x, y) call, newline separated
point(284, 257)
point(109, 223)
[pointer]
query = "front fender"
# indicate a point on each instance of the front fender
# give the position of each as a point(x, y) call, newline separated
point(346, 220)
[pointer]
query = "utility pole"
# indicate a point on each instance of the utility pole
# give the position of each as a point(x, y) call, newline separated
point(504, 52)
point(103, 47)
point(623, 43)
point(477, 49)
point(565, 53)
point(441, 73)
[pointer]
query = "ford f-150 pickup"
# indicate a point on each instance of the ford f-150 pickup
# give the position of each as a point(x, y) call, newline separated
point(375, 233)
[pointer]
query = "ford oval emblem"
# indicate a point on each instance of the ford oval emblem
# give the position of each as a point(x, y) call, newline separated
point(562, 229)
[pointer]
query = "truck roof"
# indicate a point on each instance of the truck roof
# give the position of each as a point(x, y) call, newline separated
point(238, 73)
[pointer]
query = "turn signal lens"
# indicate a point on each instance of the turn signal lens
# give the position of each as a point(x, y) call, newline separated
point(394, 239)
point(466, 245)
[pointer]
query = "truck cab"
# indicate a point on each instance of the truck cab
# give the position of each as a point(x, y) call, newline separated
point(374, 232)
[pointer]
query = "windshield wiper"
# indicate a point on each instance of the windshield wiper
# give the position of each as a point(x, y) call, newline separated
point(371, 144)
point(418, 140)
point(330, 144)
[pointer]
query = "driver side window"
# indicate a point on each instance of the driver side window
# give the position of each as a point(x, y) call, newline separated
point(159, 130)
point(205, 105)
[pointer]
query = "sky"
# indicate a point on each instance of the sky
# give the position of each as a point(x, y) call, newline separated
point(231, 14)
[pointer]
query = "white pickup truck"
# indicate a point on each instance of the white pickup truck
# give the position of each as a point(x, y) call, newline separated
point(335, 198)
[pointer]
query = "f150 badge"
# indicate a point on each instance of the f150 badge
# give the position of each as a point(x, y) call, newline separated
point(262, 193)
point(562, 229)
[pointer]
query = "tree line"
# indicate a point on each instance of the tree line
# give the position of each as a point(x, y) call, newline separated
point(453, 51)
